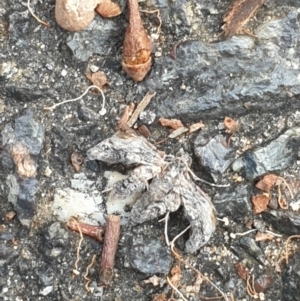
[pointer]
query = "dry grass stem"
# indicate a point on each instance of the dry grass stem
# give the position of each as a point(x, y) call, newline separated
point(75, 270)
point(102, 111)
point(176, 289)
point(286, 247)
point(288, 186)
point(166, 228)
point(32, 13)
point(86, 278)
point(156, 11)
point(140, 108)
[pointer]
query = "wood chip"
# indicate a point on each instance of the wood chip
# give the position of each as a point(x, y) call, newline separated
point(140, 108)
point(195, 127)
point(238, 15)
point(172, 123)
point(241, 270)
point(178, 132)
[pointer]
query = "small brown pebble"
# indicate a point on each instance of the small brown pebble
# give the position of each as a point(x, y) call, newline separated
point(143, 130)
point(75, 15)
point(10, 215)
point(231, 125)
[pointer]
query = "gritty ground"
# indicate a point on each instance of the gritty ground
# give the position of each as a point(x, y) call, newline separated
point(38, 70)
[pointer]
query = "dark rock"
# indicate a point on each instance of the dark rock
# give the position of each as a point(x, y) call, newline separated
point(24, 94)
point(22, 196)
point(286, 222)
point(229, 76)
point(6, 254)
point(215, 156)
point(148, 255)
point(291, 279)
point(277, 155)
point(86, 114)
point(249, 245)
point(99, 38)
point(45, 274)
point(233, 201)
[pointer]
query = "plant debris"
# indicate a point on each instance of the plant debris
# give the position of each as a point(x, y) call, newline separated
point(172, 123)
point(98, 79)
point(260, 202)
point(77, 161)
point(37, 18)
point(238, 15)
point(171, 184)
point(108, 9)
point(137, 45)
point(111, 239)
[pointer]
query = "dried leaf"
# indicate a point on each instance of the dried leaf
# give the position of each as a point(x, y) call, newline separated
point(137, 45)
point(25, 165)
point(231, 125)
point(238, 15)
point(108, 9)
point(196, 126)
point(160, 297)
point(241, 270)
point(98, 79)
point(267, 182)
point(261, 236)
point(172, 123)
point(153, 280)
point(260, 203)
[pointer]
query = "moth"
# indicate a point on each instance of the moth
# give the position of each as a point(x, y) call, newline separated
point(166, 183)
point(238, 15)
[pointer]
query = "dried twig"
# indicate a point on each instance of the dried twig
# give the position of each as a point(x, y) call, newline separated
point(140, 108)
point(86, 278)
point(111, 239)
point(95, 232)
point(102, 111)
point(32, 13)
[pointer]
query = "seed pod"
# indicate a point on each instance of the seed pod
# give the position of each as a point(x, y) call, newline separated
point(108, 9)
point(137, 45)
point(75, 15)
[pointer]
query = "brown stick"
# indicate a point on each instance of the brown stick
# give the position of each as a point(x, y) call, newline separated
point(92, 231)
point(111, 239)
